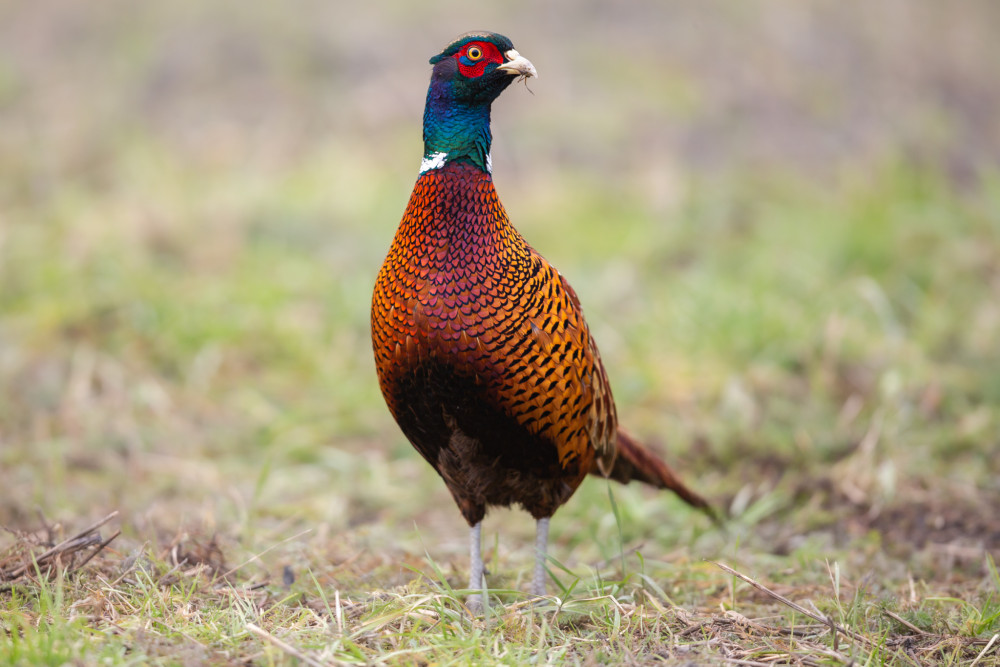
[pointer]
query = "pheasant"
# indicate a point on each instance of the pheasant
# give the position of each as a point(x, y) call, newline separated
point(482, 352)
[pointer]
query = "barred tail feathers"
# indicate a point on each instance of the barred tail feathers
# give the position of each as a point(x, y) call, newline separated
point(635, 462)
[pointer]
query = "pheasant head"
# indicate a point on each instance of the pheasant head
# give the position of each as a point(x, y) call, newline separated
point(468, 75)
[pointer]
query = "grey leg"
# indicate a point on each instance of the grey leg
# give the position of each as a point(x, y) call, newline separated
point(541, 547)
point(476, 583)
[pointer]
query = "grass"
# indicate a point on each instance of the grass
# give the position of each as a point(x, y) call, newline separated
point(184, 340)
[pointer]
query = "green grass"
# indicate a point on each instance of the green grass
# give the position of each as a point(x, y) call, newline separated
point(184, 339)
point(834, 382)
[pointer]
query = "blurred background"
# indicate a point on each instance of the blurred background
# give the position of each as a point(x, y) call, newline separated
point(782, 218)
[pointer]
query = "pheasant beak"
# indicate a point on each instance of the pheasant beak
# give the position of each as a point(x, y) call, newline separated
point(518, 65)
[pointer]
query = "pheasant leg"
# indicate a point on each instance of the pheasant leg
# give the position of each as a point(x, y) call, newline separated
point(476, 582)
point(541, 547)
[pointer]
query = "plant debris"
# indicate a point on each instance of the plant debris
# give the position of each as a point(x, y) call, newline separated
point(22, 560)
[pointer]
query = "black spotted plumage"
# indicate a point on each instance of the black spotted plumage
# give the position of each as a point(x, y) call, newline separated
point(483, 355)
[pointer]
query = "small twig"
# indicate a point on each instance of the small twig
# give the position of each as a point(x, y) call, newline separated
point(714, 641)
point(747, 663)
point(801, 630)
point(829, 624)
point(61, 546)
point(797, 607)
point(900, 619)
point(693, 628)
point(99, 549)
point(287, 648)
point(983, 652)
point(844, 660)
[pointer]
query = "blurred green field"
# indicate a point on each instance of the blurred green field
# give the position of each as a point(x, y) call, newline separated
point(783, 221)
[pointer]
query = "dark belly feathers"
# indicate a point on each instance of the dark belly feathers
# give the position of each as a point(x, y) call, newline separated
point(484, 357)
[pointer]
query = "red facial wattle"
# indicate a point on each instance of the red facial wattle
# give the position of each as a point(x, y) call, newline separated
point(470, 66)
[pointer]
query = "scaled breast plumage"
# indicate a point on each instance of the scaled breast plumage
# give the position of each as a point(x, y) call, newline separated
point(461, 286)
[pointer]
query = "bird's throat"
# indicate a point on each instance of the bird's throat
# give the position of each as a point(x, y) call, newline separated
point(455, 132)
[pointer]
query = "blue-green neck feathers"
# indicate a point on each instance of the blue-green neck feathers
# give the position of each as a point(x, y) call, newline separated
point(454, 130)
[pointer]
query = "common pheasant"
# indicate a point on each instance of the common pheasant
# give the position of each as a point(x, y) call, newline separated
point(483, 355)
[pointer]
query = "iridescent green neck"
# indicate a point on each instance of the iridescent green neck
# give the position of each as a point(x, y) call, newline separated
point(454, 131)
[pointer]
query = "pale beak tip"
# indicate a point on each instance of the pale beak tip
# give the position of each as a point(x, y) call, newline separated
point(518, 65)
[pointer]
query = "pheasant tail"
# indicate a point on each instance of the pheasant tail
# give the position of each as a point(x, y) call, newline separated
point(635, 462)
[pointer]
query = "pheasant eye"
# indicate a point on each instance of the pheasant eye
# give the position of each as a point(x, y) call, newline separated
point(474, 53)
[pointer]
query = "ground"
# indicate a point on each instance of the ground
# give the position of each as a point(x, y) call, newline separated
point(783, 223)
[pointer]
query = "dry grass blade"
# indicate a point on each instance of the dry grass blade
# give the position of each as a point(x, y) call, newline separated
point(287, 648)
point(903, 621)
point(984, 651)
point(89, 537)
point(797, 607)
